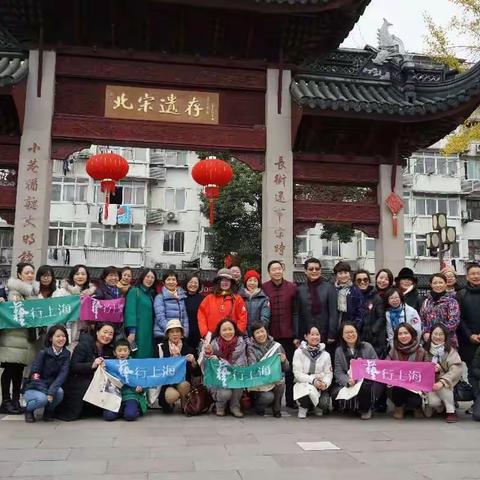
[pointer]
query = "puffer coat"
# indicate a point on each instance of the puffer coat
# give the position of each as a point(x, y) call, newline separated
point(17, 345)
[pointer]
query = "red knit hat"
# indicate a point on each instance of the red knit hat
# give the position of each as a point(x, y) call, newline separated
point(250, 274)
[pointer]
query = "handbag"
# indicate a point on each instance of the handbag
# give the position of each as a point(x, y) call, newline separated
point(197, 401)
point(463, 392)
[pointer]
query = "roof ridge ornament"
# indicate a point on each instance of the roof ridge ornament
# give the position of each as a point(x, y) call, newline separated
point(389, 45)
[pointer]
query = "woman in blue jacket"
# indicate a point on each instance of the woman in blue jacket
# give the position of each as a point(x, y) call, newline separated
point(48, 373)
point(169, 304)
point(256, 301)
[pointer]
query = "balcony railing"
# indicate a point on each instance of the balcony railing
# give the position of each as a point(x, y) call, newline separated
point(100, 257)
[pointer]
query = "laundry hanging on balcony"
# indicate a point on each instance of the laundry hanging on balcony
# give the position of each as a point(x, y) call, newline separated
point(124, 215)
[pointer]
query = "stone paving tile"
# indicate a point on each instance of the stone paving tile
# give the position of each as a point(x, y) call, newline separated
point(194, 451)
point(7, 468)
point(62, 467)
point(109, 453)
point(272, 448)
point(324, 459)
point(150, 465)
point(207, 475)
point(21, 442)
point(329, 473)
point(449, 471)
point(236, 463)
point(139, 440)
point(31, 454)
point(223, 439)
point(71, 441)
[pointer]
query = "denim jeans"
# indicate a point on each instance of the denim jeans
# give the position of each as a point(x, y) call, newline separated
point(129, 410)
point(36, 399)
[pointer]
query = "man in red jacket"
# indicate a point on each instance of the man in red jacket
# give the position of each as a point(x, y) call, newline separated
point(282, 327)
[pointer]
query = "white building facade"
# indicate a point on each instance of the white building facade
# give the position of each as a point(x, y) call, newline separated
point(154, 216)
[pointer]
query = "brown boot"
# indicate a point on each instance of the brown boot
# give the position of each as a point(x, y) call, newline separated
point(418, 413)
point(398, 413)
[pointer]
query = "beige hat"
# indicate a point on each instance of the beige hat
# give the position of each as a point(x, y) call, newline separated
point(175, 323)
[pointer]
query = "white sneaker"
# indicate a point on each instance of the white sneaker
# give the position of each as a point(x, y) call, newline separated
point(318, 412)
point(302, 412)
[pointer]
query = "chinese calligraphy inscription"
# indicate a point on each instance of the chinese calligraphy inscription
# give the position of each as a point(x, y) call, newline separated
point(161, 105)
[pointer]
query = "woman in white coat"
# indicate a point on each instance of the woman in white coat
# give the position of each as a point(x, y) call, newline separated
point(312, 370)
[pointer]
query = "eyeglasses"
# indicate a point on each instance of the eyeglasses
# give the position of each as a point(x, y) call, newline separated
point(313, 269)
point(362, 280)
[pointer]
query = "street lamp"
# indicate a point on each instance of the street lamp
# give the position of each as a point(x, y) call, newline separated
point(439, 241)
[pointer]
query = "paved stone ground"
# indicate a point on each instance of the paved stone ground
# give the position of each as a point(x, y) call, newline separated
point(173, 447)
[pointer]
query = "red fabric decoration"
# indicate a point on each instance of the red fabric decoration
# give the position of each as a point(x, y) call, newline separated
point(212, 173)
point(395, 204)
point(108, 168)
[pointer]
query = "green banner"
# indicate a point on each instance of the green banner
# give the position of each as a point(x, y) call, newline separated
point(42, 312)
point(219, 374)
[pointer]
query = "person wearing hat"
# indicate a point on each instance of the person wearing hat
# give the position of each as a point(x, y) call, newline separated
point(406, 282)
point(175, 346)
point(222, 303)
point(256, 301)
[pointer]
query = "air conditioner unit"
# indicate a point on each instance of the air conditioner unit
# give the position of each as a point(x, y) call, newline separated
point(156, 216)
point(160, 265)
point(477, 148)
point(172, 217)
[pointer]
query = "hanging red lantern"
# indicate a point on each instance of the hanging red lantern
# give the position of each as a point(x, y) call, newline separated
point(213, 174)
point(107, 168)
point(394, 204)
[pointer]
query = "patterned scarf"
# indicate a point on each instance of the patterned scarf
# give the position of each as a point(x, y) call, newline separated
point(395, 314)
point(342, 295)
point(175, 349)
point(227, 348)
point(438, 352)
point(407, 349)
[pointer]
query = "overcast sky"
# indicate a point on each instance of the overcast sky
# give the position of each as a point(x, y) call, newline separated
point(406, 17)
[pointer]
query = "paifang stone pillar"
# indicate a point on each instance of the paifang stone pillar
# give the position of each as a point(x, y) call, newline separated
point(277, 191)
point(389, 250)
point(32, 210)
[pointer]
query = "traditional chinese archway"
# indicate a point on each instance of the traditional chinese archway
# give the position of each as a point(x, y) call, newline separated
point(260, 79)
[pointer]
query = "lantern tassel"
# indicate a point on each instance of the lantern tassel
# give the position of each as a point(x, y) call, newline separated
point(107, 203)
point(211, 211)
point(395, 225)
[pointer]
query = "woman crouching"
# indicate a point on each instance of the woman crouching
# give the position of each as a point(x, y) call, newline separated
point(312, 369)
point(229, 345)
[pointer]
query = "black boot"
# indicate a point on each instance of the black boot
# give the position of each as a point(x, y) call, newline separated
point(9, 408)
point(16, 403)
point(48, 415)
point(29, 417)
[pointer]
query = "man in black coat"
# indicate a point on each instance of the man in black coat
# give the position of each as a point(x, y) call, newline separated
point(469, 331)
point(316, 304)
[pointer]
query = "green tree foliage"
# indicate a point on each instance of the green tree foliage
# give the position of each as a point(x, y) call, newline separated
point(465, 30)
point(238, 217)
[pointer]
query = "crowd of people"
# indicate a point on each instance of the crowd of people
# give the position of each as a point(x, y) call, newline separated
point(317, 328)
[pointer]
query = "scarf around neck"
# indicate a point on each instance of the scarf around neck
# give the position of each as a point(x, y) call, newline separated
point(314, 352)
point(342, 291)
point(175, 349)
point(437, 352)
point(409, 348)
point(437, 296)
point(395, 315)
point(316, 307)
point(227, 348)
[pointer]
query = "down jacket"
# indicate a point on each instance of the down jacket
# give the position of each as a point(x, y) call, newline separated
point(215, 308)
point(409, 315)
point(168, 307)
point(321, 367)
point(258, 307)
point(445, 310)
point(52, 368)
point(16, 345)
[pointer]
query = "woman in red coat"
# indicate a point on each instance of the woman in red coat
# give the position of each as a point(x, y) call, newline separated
point(222, 303)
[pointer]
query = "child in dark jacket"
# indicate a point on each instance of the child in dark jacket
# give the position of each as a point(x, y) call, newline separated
point(134, 402)
point(48, 373)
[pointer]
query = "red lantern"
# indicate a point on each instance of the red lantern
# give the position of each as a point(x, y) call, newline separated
point(212, 173)
point(108, 168)
point(394, 204)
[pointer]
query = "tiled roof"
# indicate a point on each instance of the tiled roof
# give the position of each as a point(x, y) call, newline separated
point(403, 88)
point(13, 69)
